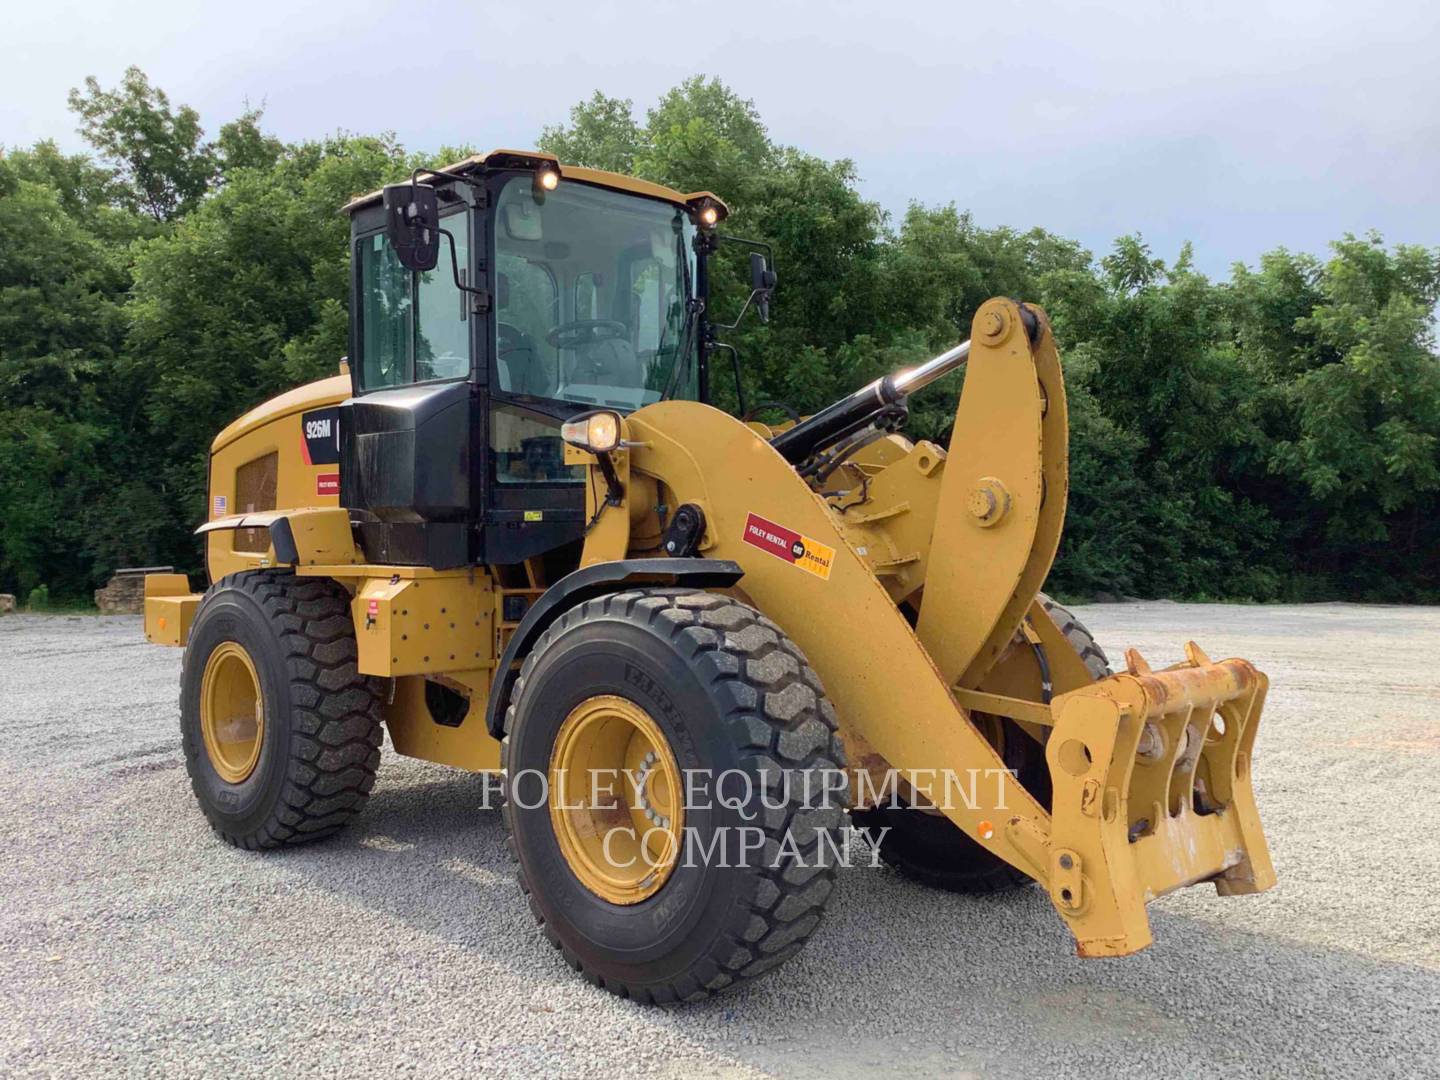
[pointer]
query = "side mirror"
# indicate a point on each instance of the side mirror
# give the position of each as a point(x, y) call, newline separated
point(412, 224)
point(762, 285)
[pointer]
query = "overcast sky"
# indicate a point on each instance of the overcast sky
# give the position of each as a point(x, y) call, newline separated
point(1239, 126)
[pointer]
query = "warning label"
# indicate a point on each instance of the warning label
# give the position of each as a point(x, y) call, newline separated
point(327, 483)
point(809, 555)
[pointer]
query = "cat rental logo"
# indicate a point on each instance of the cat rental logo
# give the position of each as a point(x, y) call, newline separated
point(808, 554)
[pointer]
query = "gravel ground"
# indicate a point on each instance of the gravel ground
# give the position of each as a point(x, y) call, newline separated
point(132, 941)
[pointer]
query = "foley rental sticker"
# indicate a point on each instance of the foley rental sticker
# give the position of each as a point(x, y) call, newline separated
point(809, 555)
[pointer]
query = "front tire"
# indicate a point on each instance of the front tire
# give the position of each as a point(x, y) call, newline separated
point(280, 730)
point(694, 685)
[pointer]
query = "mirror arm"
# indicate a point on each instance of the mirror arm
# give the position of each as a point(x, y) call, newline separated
point(455, 269)
point(731, 326)
point(758, 245)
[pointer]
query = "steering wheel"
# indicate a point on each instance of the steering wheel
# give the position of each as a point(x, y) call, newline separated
point(572, 335)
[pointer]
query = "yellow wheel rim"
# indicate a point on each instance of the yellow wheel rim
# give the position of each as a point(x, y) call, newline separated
point(616, 799)
point(232, 712)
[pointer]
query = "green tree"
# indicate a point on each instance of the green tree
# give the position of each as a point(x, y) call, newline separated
point(245, 298)
point(1270, 436)
point(602, 134)
point(1151, 347)
point(1346, 411)
point(243, 145)
point(63, 281)
point(159, 153)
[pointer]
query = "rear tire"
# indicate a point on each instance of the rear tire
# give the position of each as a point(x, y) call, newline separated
point(301, 759)
point(727, 693)
point(928, 847)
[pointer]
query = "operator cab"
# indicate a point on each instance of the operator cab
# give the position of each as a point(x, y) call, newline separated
point(544, 293)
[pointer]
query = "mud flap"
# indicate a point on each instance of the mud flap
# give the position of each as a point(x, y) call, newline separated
point(1152, 792)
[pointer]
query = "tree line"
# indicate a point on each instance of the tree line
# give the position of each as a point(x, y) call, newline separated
point(1271, 436)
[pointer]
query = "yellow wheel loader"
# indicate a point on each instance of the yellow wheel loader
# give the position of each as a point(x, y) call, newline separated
point(514, 534)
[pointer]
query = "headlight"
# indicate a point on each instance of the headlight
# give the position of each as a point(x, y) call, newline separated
point(598, 433)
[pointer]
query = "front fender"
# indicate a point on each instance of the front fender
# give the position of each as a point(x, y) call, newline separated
point(585, 584)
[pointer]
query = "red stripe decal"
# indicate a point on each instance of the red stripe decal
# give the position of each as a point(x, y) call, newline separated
point(776, 539)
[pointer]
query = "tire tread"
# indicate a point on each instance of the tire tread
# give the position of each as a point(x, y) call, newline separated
point(335, 711)
point(778, 717)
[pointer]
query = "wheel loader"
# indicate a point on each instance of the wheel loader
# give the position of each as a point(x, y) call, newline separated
point(514, 533)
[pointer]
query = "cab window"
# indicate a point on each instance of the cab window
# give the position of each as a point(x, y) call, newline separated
point(527, 303)
point(414, 327)
point(442, 330)
point(592, 295)
point(386, 315)
point(591, 299)
point(527, 448)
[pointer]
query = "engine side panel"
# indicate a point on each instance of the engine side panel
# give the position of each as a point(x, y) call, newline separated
point(301, 429)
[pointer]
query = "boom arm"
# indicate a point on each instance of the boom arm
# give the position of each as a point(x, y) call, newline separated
point(1150, 769)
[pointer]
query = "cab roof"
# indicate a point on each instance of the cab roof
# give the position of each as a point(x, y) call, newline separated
point(520, 159)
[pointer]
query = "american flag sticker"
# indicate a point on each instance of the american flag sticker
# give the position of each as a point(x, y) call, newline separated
point(222, 505)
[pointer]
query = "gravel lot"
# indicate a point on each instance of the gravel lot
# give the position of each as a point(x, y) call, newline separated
point(132, 941)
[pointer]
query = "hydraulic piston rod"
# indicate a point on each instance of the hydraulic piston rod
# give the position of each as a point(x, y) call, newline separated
point(912, 379)
point(850, 413)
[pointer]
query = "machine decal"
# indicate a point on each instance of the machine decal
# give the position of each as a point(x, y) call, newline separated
point(809, 555)
point(221, 506)
point(327, 483)
point(320, 438)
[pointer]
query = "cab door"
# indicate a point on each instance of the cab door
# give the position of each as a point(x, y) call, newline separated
point(406, 436)
point(534, 502)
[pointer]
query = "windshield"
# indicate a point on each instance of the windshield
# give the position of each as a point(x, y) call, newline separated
point(591, 293)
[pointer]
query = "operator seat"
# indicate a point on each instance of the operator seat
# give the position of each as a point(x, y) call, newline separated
point(520, 367)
